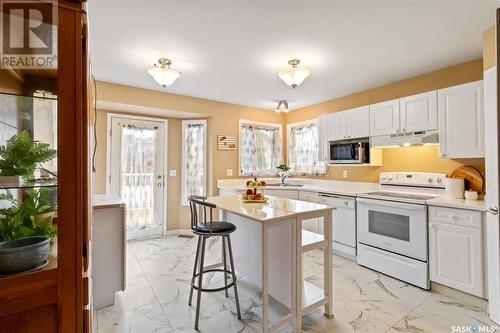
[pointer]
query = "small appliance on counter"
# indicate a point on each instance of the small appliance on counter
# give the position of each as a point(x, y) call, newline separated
point(392, 225)
point(454, 188)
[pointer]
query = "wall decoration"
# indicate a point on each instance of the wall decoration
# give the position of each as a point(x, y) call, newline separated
point(226, 142)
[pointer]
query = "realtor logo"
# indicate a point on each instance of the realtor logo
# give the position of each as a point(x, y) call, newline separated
point(28, 33)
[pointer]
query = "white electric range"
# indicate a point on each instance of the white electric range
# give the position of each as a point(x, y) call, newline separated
point(392, 225)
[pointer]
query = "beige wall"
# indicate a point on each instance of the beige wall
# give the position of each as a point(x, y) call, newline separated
point(398, 159)
point(222, 119)
point(489, 52)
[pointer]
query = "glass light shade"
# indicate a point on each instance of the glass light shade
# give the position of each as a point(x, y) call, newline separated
point(164, 76)
point(294, 76)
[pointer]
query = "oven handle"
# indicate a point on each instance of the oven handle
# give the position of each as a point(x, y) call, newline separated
point(407, 206)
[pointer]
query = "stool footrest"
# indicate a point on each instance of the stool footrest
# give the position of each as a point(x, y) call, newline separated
point(212, 290)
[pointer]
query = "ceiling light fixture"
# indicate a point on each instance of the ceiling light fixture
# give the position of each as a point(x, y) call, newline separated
point(293, 76)
point(282, 106)
point(163, 74)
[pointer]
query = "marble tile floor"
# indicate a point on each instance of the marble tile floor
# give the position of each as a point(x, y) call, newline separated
point(157, 292)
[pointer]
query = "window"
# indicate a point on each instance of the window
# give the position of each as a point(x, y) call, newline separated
point(303, 148)
point(194, 150)
point(260, 148)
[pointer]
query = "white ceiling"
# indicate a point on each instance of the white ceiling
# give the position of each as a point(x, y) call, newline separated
point(233, 51)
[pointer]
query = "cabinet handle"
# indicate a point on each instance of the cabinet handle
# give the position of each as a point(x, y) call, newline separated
point(493, 210)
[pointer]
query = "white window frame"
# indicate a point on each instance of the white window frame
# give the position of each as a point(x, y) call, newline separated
point(289, 130)
point(185, 123)
point(253, 122)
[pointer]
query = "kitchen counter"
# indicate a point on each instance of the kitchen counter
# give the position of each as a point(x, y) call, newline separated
point(346, 188)
point(107, 201)
point(458, 203)
point(273, 209)
point(268, 246)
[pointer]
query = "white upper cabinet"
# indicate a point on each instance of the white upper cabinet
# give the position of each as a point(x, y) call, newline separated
point(384, 118)
point(358, 122)
point(323, 138)
point(337, 126)
point(419, 112)
point(349, 124)
point(461, 121)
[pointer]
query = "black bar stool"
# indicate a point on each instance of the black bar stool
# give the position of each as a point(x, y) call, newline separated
point(203, 225)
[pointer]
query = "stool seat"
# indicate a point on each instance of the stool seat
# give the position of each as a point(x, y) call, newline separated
point(218, 227)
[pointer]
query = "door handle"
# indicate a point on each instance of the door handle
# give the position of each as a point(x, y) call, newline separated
point(493, 210)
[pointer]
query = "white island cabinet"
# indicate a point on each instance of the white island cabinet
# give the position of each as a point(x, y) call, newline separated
point(268, 245)
point(456, 249)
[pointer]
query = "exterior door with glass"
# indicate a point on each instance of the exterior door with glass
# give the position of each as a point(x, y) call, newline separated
point(136, 173)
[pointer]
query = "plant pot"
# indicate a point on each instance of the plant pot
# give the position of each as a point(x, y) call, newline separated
point(7, 181)
point(23, 254)
point(42, 216)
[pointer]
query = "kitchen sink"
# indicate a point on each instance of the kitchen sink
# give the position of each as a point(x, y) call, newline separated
point(284, 185)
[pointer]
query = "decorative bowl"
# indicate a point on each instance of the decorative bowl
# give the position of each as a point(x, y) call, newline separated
point(23, 254)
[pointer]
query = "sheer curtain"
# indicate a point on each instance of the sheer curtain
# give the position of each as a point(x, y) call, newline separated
point(303, 150)
point(137, 172)
point(194, 159)
point(260, 149)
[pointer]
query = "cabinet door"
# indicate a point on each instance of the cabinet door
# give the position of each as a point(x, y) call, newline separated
point(419, 112)
point(323, 138)
point(289, 194)
point(455, 257)
point(344, 226)
point(461, 121)
point(384, 118)
point(337, 126)
point(358, 122)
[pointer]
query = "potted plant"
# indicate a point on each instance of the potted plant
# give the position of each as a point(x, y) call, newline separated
point(21, 156)
point(26, 229)
point(284, 171)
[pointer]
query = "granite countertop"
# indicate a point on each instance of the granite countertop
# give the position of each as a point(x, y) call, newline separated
point(458, 203)
point(273, 209)
point(346, 188)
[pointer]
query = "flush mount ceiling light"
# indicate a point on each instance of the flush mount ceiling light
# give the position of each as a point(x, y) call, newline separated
point(163, 74)
point(293, 76)
point(282, 106)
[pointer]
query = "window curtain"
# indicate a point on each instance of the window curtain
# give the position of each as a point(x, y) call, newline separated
point(260, 149)
point(303, 150)
point(194, 167)
point(137, 172)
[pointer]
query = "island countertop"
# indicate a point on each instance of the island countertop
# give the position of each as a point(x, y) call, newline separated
point(273, 209)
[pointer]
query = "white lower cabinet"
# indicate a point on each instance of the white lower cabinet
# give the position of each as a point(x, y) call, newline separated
point(455, 249)
point(289, 194)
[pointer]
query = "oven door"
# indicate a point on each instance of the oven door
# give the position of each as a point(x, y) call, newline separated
point(397, 227)
point(347, 152)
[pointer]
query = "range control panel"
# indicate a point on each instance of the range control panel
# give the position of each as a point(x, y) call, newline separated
point(419, 179)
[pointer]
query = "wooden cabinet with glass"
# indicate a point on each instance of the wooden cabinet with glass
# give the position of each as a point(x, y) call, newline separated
point(45, 180)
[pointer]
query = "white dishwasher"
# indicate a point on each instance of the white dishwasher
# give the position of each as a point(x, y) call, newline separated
point(343, 222)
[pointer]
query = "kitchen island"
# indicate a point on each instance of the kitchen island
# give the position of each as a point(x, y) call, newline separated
point(268, 246)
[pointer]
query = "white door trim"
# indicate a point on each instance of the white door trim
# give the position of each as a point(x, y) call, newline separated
point(165, 156)
point(491, 162)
